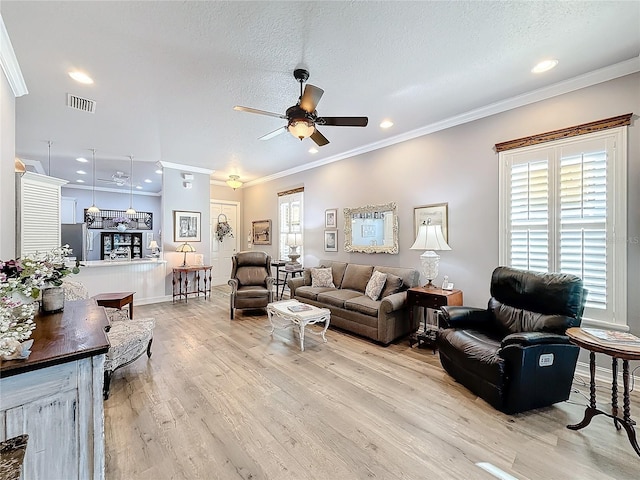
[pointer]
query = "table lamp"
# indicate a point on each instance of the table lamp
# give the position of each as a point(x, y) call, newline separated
point(155, 249)
point(185, 248)
point(294, 240)
point(430, 238)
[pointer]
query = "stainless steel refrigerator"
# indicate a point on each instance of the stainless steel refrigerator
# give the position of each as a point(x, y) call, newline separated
point(75, 234)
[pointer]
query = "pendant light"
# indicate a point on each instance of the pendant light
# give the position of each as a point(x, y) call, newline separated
point(130, 210)
point(93, 209)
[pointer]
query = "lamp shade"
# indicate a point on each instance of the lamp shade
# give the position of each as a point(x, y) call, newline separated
point(185, 248)
point(430, 237)
point(153, 245)
point(234, 181)
point(294, 239)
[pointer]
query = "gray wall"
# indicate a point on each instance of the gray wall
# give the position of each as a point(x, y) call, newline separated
point(458, 166)
point(7, 177)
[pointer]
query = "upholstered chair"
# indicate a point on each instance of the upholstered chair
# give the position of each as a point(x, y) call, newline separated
point(128, 339)
point(515, 354)
point(12, 453)
point(251, 281)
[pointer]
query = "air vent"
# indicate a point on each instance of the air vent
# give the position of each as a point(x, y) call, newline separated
point(79, 103)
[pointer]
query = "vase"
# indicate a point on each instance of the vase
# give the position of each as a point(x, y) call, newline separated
point(121, 227)
point(52, 299)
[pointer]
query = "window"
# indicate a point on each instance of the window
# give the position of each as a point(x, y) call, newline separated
point(290, 222)
point(563, 208)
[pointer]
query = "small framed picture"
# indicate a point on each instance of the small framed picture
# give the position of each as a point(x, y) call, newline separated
point(261, 231)
point(331, 240)
point(186, 226)
point(436, 214)
point(331, 218)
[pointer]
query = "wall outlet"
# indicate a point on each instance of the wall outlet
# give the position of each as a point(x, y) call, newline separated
point(545, 360)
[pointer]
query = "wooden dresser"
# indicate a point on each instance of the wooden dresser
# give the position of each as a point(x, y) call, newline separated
point(55, 396)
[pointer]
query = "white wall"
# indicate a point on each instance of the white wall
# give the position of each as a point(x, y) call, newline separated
point(458, 166)
point(7, 176)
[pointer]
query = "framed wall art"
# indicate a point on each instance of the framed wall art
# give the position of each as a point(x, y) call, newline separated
point(186, 226)
point(437, 213)
point(331, 218)
point(331, 240)
point(261, 232)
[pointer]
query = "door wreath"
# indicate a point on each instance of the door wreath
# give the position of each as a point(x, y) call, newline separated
point(223, 229)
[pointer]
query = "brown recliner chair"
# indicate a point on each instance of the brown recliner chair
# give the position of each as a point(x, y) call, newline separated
point(251, 281)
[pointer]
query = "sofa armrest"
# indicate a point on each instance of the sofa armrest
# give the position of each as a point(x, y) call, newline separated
point(233, 283)
point(393, 302)
point(295, 283)
point(464, 317)
point(526, 339)
point(269, 281)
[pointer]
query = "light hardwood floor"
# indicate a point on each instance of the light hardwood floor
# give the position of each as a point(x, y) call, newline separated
point(222, 399)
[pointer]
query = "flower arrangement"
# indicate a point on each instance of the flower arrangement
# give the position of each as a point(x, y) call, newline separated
point(223, 230)
point(21, 281)
point(119, 220)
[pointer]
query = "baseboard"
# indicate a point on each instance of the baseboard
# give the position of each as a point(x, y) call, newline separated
point(150, 300)
point(604, 376)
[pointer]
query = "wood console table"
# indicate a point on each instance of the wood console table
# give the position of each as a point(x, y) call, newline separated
point(616, 351)
point(55, 395)
point(186, 287)
point(429, 298)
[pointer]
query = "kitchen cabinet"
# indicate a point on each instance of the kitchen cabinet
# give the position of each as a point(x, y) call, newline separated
point(118, 243)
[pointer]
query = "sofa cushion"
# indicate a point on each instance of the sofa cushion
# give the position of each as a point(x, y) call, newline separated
point(392, 285)
point(311, 292)
point(322, 277)
point(356, 277)
point(337, 269)
point(410, 276)
point(375, 285)
point(337, 298)
point(363, 304)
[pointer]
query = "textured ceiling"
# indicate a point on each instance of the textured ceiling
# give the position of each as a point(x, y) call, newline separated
point(167, 74)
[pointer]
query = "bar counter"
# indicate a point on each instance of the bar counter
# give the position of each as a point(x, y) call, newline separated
point(55, 395)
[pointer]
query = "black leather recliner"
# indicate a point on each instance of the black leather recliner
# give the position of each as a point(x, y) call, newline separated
point(515, 354)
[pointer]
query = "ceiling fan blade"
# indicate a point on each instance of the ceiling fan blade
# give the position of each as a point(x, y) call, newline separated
point(310, 98)
point(343, 121)
point(275, 133)
point(320, 139)
point(259, 112)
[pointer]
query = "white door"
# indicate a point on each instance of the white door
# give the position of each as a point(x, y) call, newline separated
point(221, 252)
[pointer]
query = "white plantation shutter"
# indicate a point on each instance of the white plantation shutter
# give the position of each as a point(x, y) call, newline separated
point(563, 209)
point(290, 221)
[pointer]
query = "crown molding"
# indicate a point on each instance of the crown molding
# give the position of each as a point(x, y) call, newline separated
point(113, 190)
point(10, 64)
point(188, 168)
point(602, 75)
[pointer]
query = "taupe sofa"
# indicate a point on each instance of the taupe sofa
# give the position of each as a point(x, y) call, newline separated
point(382, 320)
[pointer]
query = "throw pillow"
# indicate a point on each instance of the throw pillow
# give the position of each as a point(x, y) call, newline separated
point(375, 285)
point(322, 277)
point(392, 285)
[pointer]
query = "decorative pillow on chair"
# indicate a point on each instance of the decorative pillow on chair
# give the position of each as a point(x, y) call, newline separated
point(375, 285)
point(322, 277)
point(392, 285)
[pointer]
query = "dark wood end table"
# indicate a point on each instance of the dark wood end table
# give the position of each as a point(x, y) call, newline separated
point(116, 300)
point(200, 282)
point(434, 298)
point(617, 351)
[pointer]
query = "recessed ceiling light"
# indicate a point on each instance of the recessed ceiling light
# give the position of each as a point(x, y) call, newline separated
point(82, 160)
point(139, 187)
point(146, 180)
point(544, 66)
point(81, 172)
point(79, 181)
point(313, 150)
point(386, 124)
point(81, 77)
point(159, 172)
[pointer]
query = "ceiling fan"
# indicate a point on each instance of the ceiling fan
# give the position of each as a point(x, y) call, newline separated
point(119, 178)
point(302, 118)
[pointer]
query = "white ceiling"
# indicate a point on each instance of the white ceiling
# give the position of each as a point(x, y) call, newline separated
point(167, 74)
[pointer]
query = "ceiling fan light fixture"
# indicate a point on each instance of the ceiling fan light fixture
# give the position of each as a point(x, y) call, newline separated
point(234, 181)
point(301, 128)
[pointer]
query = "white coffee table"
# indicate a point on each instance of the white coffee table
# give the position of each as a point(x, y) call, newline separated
point(300, 319)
